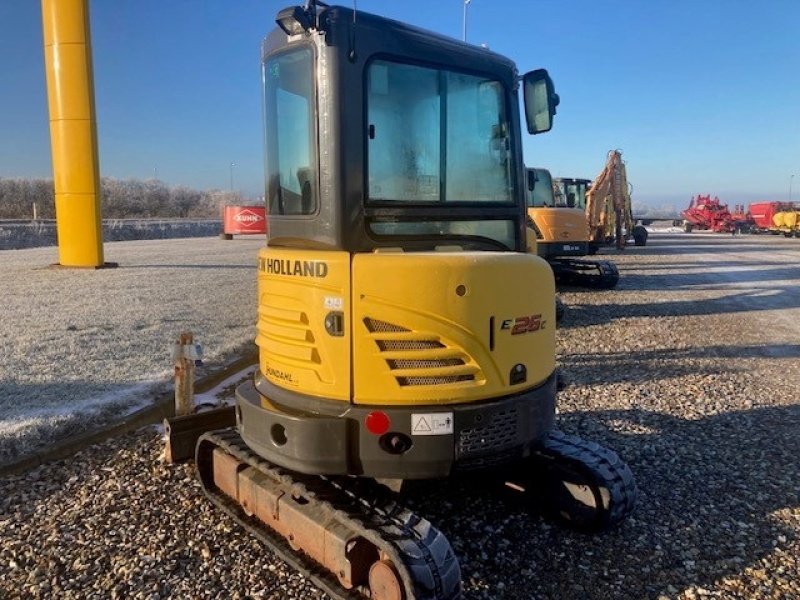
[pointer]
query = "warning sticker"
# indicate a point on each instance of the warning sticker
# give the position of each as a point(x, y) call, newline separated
point(431, 423)
point(334, 303)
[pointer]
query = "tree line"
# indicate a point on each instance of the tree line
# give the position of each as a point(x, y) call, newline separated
point(120, 199)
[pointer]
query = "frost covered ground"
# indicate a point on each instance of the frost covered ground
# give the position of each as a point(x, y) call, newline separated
point(82, 347)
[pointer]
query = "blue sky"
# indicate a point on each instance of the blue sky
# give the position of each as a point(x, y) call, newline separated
point(702, 96)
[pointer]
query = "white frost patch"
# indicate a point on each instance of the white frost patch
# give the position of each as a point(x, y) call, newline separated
point(129, 399)
point(670, 229)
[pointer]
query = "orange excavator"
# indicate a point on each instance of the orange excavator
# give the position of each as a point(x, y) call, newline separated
point(556, 214)
point(608, 206)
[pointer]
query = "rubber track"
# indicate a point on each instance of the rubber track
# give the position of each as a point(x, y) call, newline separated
point(595, 274)
point(607, 468)
point(421, 554)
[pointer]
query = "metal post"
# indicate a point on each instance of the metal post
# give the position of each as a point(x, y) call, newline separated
point(232, 165)
point(184, 375)
point(73, 132)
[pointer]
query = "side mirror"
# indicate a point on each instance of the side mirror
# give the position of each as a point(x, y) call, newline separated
point(540, 100)
point(531, 179)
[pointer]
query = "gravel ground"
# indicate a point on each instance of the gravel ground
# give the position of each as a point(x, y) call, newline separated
point(688, 370)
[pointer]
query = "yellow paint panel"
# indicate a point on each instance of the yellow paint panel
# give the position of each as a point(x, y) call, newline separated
point(436, 327)
point(291, 350)
point(560, 224)
point(296, 350)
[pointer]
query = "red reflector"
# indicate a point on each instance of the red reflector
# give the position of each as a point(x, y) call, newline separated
point(377, 422)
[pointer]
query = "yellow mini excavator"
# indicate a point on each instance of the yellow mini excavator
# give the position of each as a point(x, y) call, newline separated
point(556, 214)
point(404, 332)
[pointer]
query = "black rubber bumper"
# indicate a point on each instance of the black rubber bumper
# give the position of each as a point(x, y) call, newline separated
point(325, 437)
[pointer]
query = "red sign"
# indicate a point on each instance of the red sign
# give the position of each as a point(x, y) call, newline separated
point(244, 219)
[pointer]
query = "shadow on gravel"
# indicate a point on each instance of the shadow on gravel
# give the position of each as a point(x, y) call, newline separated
point(638, 366)
point(777, 297)
point(727, 275)
point(688, 244)
point(627, 270)
point(707, 491)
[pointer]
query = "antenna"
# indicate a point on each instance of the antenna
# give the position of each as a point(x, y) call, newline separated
point(464, 21)
point(351, 55)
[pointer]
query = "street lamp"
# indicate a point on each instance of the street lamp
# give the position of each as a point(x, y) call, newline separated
point(464, 21)
point(232, 165)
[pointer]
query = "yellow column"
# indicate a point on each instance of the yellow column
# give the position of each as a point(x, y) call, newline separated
point(73, 132)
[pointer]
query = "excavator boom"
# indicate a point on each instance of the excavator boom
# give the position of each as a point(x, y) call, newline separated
point(608, 203)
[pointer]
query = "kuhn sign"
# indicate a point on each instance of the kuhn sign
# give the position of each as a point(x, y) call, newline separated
point(248, 216)
point(244, 219)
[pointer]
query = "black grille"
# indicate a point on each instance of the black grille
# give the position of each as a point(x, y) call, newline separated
point(394, 345)
point(423, 364)
point(499, 432)
point(374, 325)
point(434, 380)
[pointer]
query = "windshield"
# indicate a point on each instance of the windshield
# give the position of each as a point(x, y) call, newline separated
point(570, 193)
point(542, 194)
point(436, 136)
point(575, 195)
point(436, 139)
point(291, 137)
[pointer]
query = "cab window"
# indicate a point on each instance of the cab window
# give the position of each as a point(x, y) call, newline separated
point(291, 136)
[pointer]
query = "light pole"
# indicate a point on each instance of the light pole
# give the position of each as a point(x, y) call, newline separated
point(464, 21)
point(232, 165)
point(790, 187)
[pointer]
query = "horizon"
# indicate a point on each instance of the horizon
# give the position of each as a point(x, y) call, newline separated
point(177, 91)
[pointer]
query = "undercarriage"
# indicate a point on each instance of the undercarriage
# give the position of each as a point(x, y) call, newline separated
point(353, 539)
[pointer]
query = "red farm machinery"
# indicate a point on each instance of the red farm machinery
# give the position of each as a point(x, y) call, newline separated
point(709, 214)
point(776, 218)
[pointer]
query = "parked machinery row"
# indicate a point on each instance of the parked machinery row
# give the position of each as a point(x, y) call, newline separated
point(705, 213)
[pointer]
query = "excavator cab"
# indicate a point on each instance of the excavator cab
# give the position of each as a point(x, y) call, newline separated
point(561, 229)
point(403, 331)
point(573, 190)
